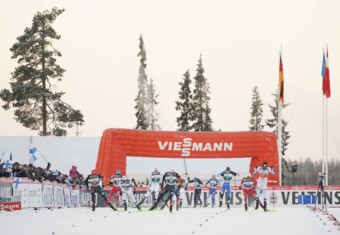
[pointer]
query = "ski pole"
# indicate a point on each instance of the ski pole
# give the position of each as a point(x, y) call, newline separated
point(2, 155)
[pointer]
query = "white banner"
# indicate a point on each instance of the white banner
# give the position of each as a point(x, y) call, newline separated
point(67, 197)
point(58, 196)
point(22, 191)
point(35, 195)
point(85, 198)
point(75, 198)
point(47, 195)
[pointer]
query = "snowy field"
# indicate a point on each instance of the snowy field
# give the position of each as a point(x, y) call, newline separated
point(82, 221)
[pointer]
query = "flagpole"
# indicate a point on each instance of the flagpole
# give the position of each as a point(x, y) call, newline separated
point(326, 143)
point(323, 135)
point(279, 138)
point(326, 123)
point(2, 155)
point(279, 127)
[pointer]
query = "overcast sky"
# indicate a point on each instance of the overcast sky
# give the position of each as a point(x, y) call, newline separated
point(239, 42)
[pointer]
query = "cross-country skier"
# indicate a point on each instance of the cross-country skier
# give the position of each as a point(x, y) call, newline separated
point(262, 181)
point(197, 193)
point(127, 193)
point(154, 186)
point(170, 179)
point(115, 190)
point(213, 183)
point(182, 184)
point(227, 175)
point(94, 183)
point(247, 186)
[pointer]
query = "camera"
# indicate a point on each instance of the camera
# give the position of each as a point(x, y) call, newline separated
point(321, 175)
point(294, 167)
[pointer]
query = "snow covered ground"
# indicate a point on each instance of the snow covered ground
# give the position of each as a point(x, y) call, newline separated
point(278, 221)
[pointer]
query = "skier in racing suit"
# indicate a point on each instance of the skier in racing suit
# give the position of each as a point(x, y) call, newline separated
point(94, 183)
point(262, 181)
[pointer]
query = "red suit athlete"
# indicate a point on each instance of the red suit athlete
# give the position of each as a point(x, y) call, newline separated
point(247, 186)
point(115, 182)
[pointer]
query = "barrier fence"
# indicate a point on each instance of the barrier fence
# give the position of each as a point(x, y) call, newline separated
point(17, 193)
point(35, 194)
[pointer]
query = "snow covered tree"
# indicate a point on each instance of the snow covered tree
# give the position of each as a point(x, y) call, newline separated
point(36, 103)
point(256, 111)
point(184, 106)
point(153, 115)
point(142, 99)
point(200, 101)
point(272, 124)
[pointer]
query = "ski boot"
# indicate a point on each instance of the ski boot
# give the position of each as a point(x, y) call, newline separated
point(125, 206)
point(221, 199)
point(141, 202)
point(177, 207)
point(245, 207)
point(93, 207)
point(228, 205)
point(137, 206)
point(257, 205)
point(171, 209)
point(265, 206)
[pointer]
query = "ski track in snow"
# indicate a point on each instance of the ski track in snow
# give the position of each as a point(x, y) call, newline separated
point(217, 221)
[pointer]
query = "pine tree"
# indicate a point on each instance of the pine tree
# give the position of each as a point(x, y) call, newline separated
point(272, 123)
point(142, 99)
point(256, 111)
point(200, 100)
point(184, 106)
point(153, 116)
point(37, 106)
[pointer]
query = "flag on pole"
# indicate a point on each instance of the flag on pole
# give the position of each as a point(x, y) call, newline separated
point(9, 162)
point(281, 82)
point(32, 153)
point(326, 83)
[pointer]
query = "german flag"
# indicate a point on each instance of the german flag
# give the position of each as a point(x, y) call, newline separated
point(281, 82)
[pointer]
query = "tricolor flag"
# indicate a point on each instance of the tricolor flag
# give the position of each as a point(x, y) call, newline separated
point(326, 83)
point(281, 82)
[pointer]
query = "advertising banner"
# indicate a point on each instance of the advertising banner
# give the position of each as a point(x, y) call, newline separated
point(67, 197)
point(34, 195)
point(85, 198)
point(75, 198)
point(5, 189)
point(22, 191)
point(10, 203)
point(58, 196)
point(47, 196)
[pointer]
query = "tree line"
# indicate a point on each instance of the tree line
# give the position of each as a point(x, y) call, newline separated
point(38, 106)
point(308, 172)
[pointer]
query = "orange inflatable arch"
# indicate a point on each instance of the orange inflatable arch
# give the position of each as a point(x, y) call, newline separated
point(117, 144)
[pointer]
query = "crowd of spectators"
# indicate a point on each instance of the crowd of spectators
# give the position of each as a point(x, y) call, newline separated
point(72, 179)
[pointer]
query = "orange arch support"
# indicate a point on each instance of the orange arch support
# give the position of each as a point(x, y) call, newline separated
point(117, 144)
